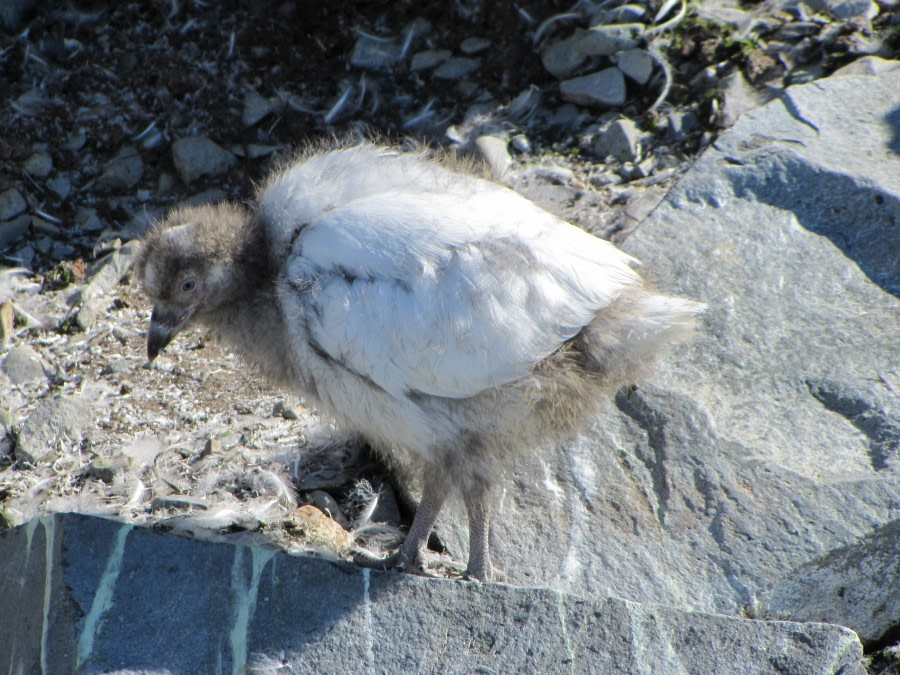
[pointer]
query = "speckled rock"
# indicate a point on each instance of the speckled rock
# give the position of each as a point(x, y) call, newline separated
point(23, 364)
point(58, 424)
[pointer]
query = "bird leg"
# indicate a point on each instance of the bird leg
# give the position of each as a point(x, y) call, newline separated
point(412, 553)
point(479, 566)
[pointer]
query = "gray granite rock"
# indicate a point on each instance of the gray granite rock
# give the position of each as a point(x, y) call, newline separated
point(103, 277)
point(12, 203)
point(862, 10)
point(739, 97)
point(771, 442)
point(256, 107)
point(59, 423)
point(605, 89)
point(562, 57)
point(456, 68)
point(198, 156)
point(38, 165)
point(620, 14)
point(90, 595)
point(620, 138)
point(607, 40)
point(122, 172)
point(375, 53)
point(856, 585)
point(429, 59)
point(12, 230)
point(636, 64)
point(60, 186)
point(23, 364)
point(474, 45)
point(680, 123)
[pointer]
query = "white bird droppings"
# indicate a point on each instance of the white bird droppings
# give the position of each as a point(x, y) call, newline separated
point(244, 602)
point(103, 596)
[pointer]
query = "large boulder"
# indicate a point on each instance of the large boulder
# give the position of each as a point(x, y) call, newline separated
point(773, 440)
point(83, 594)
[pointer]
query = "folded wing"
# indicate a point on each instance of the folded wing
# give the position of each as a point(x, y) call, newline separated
point(443, 293)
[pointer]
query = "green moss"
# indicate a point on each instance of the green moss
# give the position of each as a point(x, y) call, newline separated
point(59, 276)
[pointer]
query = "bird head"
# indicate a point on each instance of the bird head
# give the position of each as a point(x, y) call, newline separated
point(187, 267)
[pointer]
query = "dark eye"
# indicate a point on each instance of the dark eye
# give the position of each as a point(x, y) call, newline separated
point(188, 285)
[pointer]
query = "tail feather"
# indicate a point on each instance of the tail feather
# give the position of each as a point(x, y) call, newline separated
point(630, 334)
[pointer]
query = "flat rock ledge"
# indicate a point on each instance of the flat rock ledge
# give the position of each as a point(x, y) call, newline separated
point(86, 594)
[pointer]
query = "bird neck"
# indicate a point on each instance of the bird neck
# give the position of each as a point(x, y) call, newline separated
point(250, 321)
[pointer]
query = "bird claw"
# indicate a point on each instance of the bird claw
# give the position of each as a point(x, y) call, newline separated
point(399, 562)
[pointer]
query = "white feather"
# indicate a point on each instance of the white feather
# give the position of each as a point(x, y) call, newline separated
point(415, 288)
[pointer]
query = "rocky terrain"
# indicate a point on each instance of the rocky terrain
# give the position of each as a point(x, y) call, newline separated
point(759, 476)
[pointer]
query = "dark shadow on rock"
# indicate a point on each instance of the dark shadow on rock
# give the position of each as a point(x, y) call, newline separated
point(132, 598)
point(893, 120)
point(858, 218)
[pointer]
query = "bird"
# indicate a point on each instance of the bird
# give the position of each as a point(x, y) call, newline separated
point(446, 319)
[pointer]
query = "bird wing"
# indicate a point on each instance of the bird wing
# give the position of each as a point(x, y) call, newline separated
point(449, 292)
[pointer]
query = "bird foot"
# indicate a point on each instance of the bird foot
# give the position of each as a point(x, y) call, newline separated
point(483, 573)
point(399, 561)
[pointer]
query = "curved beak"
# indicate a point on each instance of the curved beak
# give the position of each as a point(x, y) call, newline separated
point(165, 323)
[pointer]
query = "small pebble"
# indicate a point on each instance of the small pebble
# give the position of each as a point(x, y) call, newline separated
point(620, 14)
point(106, 468)
point(603, 89)
point(7, 322)
point(621, 139)
point(38, 165)
point(495, 152)
point(122, 172)
point(374, 54)
point(22, 364)
point(636, 64)
point(429, 59)
point(256, 107)
point(456, 68)
point(474, 45)
point(521, 144)
point(281, 409)
point(197, 156)
point(608, 40)
point(213, 446)
point(87, 219)
point(13, 229)
point(61, 186)
point(562, 58)
point(329, 506)
point(11, 204)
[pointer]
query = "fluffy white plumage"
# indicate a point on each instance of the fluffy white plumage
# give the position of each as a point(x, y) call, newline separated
point(439, 314)
point(452, 268)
